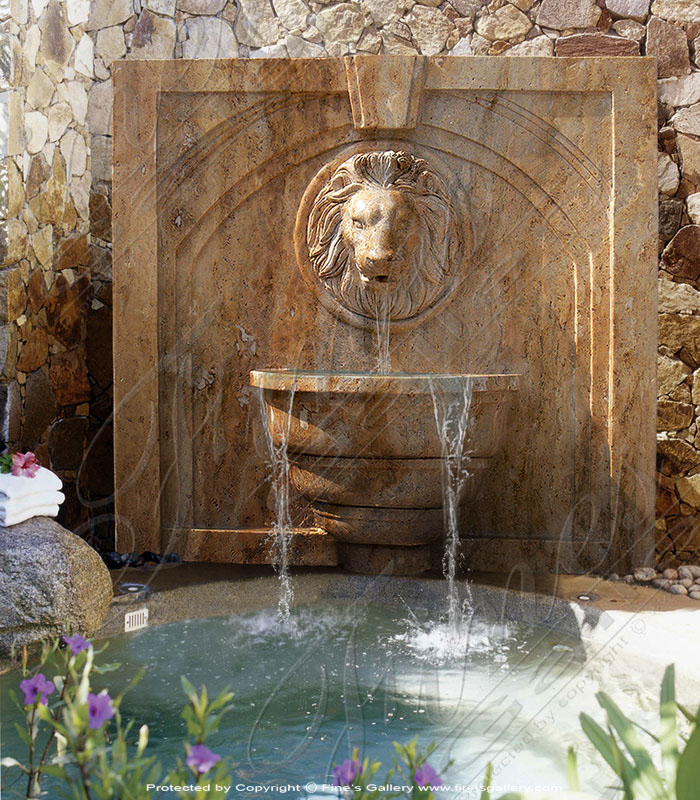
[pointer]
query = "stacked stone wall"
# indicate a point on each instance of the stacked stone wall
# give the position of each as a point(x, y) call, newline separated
point(56, 208)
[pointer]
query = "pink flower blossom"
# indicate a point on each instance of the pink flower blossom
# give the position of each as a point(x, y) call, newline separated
point(35, 687)
point(344, 774)
point(427, 776)
point(99, 709)
point(77, 643)
point(201, 759)
point(25, 465)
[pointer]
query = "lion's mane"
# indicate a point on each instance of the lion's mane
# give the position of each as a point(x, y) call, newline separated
point(434, 262)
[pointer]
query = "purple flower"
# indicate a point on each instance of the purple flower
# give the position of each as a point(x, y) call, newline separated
point(99, 709)
point(35, 687)
point(77, 643)
point(426, 776)
point(24, 465)
point(345, 773)
point(201, 759)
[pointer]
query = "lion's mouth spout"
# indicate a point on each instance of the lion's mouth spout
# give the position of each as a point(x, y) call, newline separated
point(374, 280)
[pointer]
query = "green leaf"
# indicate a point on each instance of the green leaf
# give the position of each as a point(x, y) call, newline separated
point(189, 690)
point(6, 463)
point(668, 734)
point(23, 734)
point(694, 718)
point(488, 775)
point(647, 781)
point(601, 740)
point(56, 771)
point(688, 776)
point(104, 668)
point(624, 769)
point(572, 770)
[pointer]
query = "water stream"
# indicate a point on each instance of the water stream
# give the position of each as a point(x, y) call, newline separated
point(452, 400)
point(276, 426)
point(382, 325)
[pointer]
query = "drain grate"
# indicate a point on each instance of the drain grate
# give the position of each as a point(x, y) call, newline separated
point(135, 620)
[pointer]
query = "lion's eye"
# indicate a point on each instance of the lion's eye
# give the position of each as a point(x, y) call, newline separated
point(358, 223)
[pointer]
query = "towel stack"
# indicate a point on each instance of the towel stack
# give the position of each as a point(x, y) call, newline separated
point(22, 498)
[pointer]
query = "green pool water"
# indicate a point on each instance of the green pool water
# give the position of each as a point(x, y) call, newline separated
point(344, 676)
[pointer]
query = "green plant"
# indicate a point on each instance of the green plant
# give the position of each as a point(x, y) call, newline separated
point(622, 747)
point(78, 737)
point(411, 776)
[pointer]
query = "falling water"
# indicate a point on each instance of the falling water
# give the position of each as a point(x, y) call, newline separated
point(452, 400)
point(382, 326)
point(276, 425)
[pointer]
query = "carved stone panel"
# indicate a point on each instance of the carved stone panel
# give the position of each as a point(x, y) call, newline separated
point(500, 212)
point(378, 235)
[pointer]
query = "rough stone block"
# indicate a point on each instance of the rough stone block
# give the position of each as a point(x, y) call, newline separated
point(564, 14)
point(680, 333)
point(69, 378)
point(67, 442)
point(66, 307)
point(99, 346)
point(689, 490)
point(40, 409)
point(673, 416)
point(670, 373)
point(670, 214)
point(680, 455)
point(13, 298)
point(101, 155)
point(153, 37)
point(595, 44)
point(669, 44)
point(34, 352)
point(100, 462)
point(629, 9)
point(689, 150)
point(693, 206)
point(682, 255)
point(678, 298)
point(677, 11)
point(209, 38)
point(668, 174)
point(683, 91)
point(105, 13)
point(207, 7)
point(57, 44)
point(52, 581)
point(687, 120)
point(256, 24)
point(6, 61)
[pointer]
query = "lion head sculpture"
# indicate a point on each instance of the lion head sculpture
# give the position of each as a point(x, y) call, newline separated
point(383, 236)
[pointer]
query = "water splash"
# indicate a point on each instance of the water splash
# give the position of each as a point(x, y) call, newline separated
point(436, 643)
point(276, 424)
point(382, 326)
point(452, 399)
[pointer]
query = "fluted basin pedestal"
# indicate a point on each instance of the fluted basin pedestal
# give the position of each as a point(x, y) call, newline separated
point(365, 451)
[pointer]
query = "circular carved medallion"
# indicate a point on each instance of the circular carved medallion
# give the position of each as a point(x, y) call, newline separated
point(378, 235)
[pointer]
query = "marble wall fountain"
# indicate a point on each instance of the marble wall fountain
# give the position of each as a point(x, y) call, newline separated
point(286, 230)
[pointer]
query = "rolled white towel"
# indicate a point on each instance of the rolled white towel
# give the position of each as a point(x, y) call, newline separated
point(12, 486)
point(36, 511)
point(15, 505)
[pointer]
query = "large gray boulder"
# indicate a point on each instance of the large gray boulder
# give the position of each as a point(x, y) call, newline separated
point(50, 581)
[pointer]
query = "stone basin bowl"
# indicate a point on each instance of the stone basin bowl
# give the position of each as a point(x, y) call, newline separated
point(364, 450)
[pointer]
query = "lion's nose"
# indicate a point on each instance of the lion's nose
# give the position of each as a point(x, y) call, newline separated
point(376, 264)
